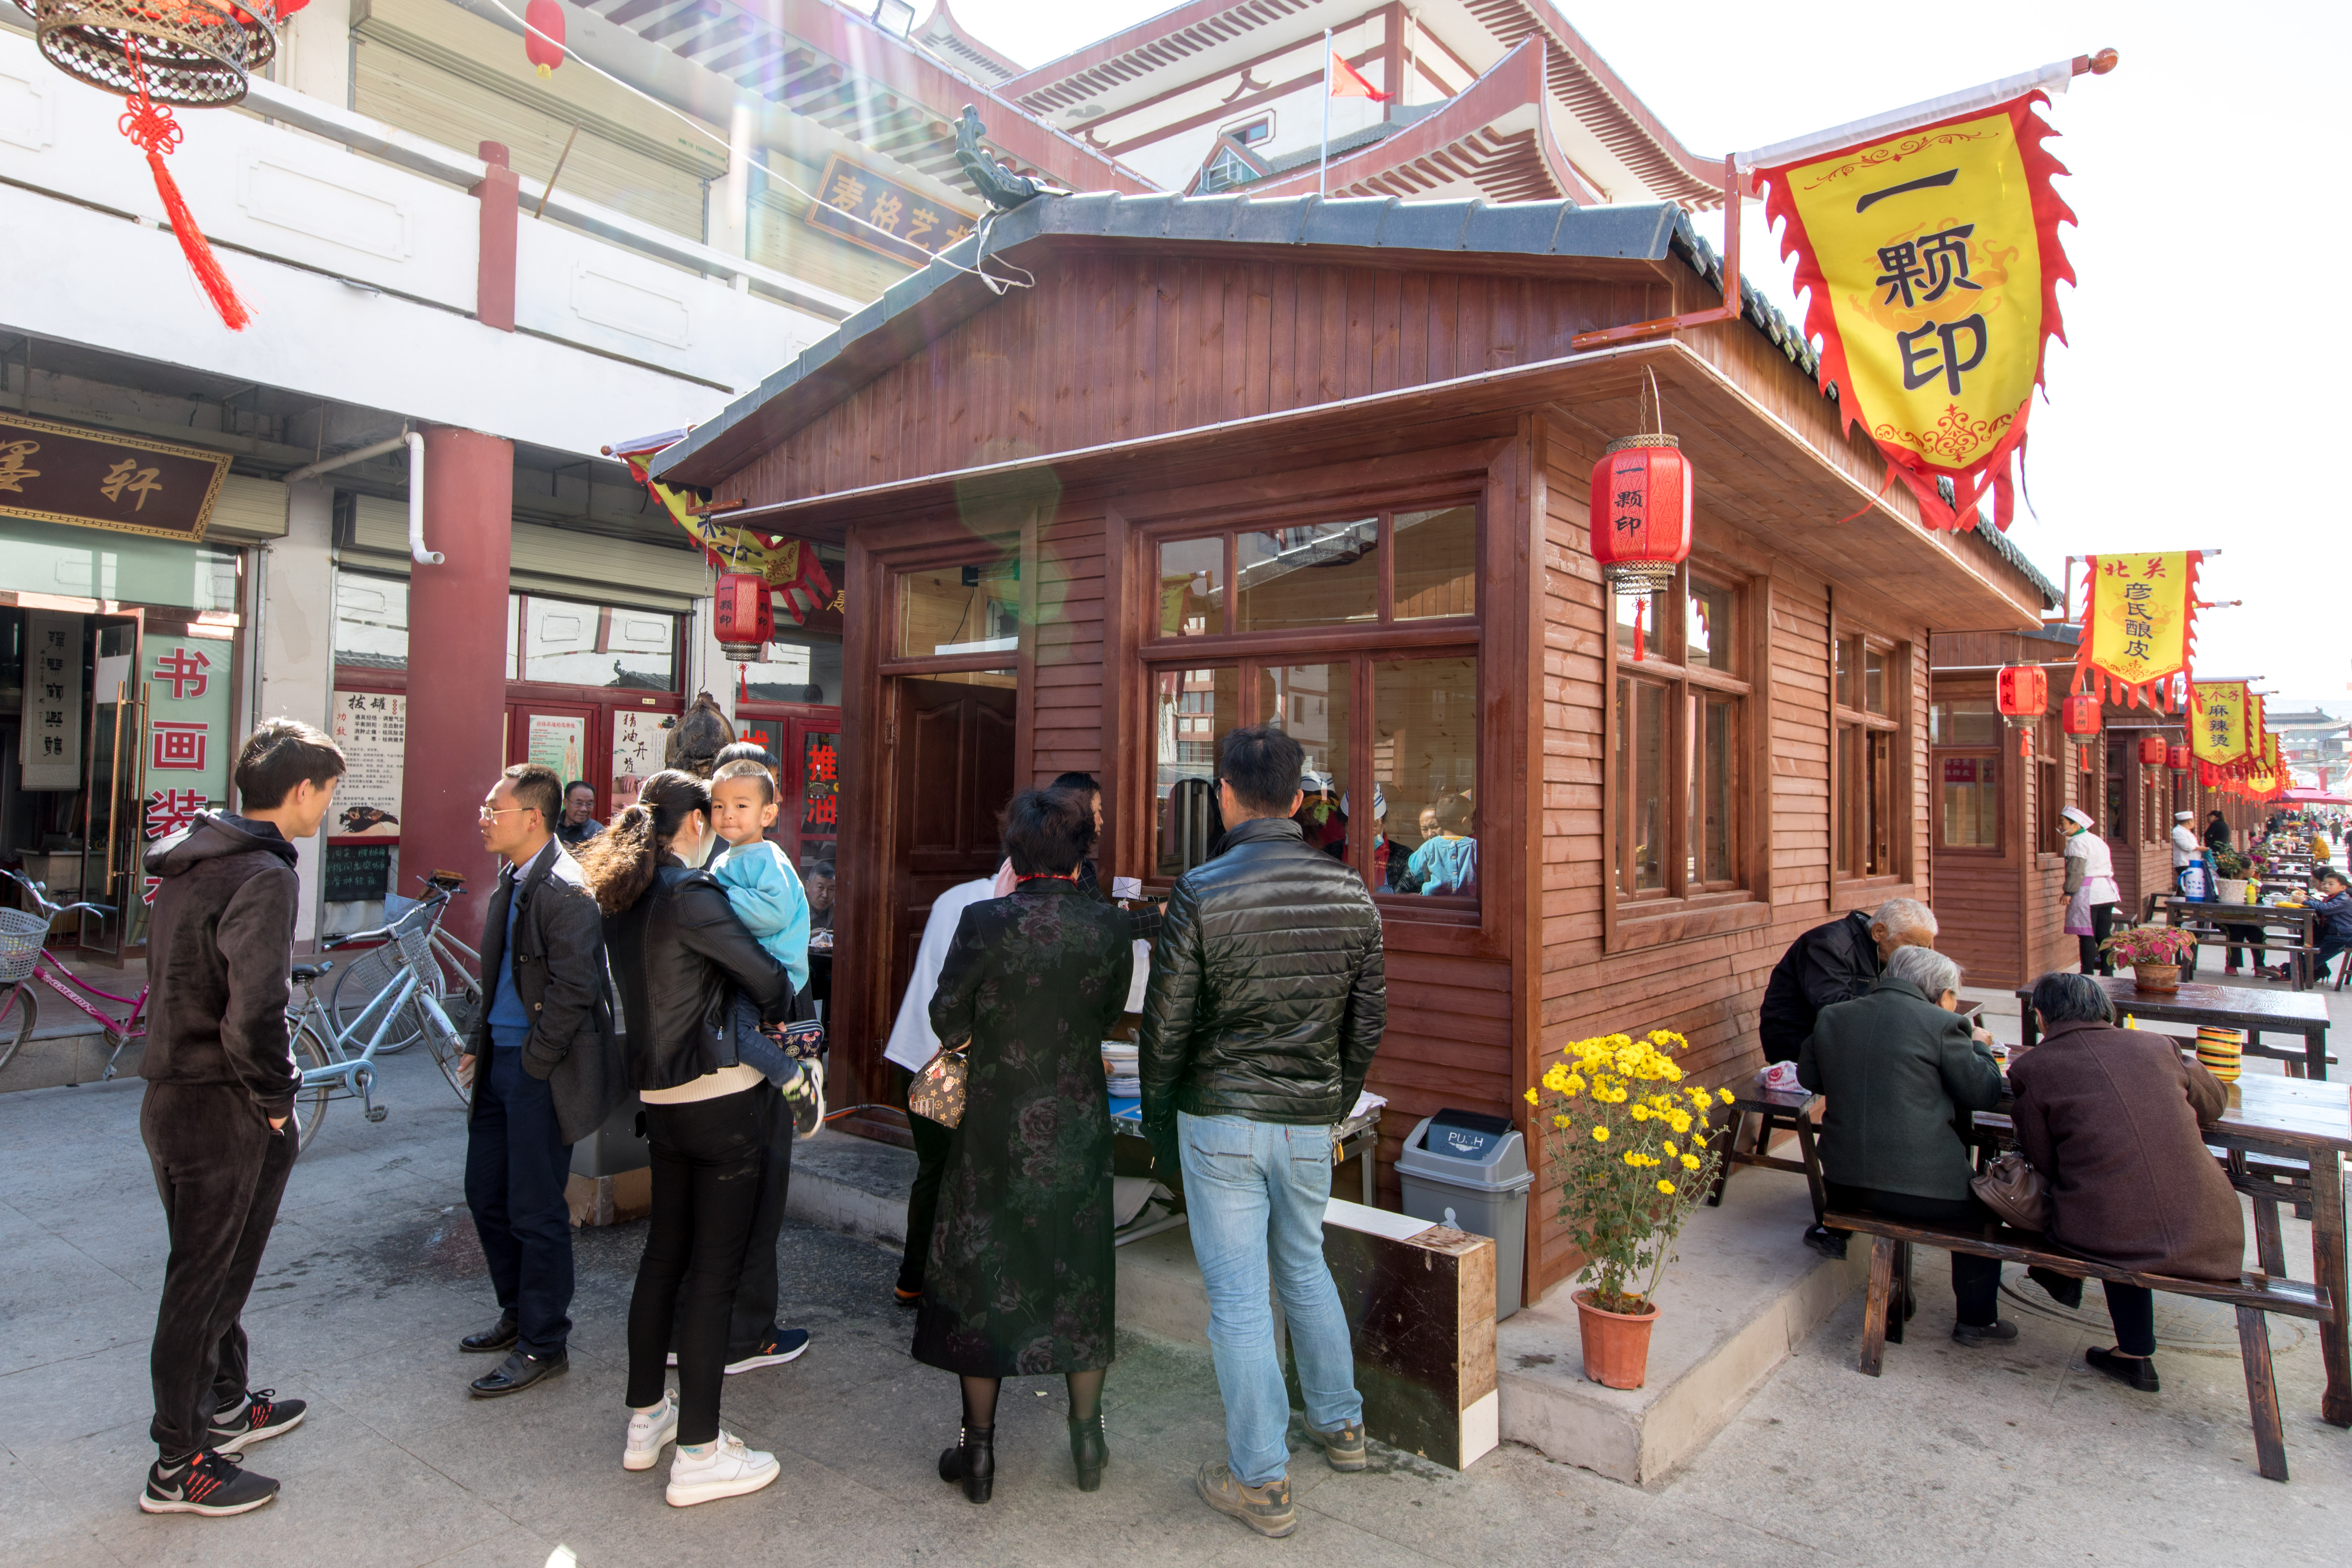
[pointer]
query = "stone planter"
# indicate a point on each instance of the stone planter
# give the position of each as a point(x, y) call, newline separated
point(2156, 978)
point(1616, 1344)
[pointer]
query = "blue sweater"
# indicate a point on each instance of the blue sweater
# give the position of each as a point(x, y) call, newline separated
point(766, 895)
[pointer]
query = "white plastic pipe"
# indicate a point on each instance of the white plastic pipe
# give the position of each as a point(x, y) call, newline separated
point(416, 551)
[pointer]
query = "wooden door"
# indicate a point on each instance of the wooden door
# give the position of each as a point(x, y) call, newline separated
point(953, 775)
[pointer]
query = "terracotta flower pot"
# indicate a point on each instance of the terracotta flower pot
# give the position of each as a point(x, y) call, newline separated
point(2156, 977)
point(1616, 1344)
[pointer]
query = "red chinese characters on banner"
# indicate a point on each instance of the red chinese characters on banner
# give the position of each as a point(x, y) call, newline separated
point(170, 810)
point(184, 671)
point(821, 786)
point(177, 748)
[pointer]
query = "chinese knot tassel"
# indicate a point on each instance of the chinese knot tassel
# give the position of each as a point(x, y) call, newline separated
point(1641, 613)
point(150, 125)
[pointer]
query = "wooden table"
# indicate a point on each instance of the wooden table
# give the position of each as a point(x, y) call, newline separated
point(2301, 1013)
point(2304, 922)
point(2308, 1124)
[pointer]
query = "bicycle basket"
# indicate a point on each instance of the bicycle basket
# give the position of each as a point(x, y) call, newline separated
point(20, 945)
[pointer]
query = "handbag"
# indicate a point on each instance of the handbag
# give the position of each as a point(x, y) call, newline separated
point(2014, 1191)
point(938, 1092)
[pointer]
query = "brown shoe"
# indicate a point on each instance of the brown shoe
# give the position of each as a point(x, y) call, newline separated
point(1266, 1509)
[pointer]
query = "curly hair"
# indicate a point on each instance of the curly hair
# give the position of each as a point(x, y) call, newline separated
point(619, 863)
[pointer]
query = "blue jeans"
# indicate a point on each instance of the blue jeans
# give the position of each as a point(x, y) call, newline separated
point(515, 1166)
point(1255, 1193)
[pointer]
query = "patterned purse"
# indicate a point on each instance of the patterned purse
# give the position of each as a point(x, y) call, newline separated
point(937, 1090)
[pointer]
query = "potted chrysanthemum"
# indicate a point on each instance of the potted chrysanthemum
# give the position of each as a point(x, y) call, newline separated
point(1633, 1152)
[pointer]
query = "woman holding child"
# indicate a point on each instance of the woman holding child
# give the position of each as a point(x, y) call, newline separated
point(1020, 1279)
point(678, 952)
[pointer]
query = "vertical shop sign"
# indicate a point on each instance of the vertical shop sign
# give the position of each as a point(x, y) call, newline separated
point(637, 739)
point(821, 779)
point(49, 742)
point(372, 727)
point(186, 749)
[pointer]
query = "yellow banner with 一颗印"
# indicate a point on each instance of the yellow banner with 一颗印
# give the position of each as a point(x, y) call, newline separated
point(2219, 720)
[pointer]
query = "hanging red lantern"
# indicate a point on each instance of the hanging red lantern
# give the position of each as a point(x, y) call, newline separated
point(2177, 758)
point(2079, 717)
point(2151, 751)
point(544, 40)
point(2023, 693)
point(742, 618)
point(195, 54)
point(1640, 518)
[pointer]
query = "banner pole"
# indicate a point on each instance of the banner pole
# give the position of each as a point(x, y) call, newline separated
point(1323, 162)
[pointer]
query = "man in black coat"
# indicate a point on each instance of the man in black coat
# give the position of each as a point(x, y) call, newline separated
point(545, 1071)
point(1835, 963)
point(1267, 1001)
point(217, 1116)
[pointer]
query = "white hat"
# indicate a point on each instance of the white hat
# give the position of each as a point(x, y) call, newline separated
point(2076, 814)
point(2184, 817)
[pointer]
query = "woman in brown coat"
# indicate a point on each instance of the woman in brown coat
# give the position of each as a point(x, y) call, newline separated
point(2113, 1118)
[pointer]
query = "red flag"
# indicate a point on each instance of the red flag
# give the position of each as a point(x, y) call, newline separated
point(1346, 82)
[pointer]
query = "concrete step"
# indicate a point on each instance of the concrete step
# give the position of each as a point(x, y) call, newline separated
point(1743, 1294)
point(61, 1054)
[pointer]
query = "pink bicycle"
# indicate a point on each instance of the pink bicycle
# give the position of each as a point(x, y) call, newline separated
point(24, 962)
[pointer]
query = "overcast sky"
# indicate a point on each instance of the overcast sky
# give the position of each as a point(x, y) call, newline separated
point(2193, 406)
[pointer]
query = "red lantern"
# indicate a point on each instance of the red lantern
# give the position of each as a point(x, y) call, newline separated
point(2151, 751)
point(2177, 758)
point(741, 615)
point(1640, 513)
point(2079, 717)
point(544, 42)
point(2023, 693)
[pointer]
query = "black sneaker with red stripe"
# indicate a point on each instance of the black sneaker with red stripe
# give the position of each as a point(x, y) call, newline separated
point(263, 1415)
point(207, 1483)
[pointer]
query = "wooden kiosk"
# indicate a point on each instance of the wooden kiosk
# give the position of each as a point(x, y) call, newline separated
point(1208, 461)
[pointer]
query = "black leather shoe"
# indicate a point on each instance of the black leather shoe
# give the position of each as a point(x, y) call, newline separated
point(491, 1341)
point(972, 1463)
point(518, 1372)
point(1089, 1452)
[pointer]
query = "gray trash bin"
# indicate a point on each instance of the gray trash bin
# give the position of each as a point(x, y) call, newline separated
point(1470, 1171)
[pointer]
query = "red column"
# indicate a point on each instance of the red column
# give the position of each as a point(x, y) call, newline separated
point(456, 667)
point(494, 276)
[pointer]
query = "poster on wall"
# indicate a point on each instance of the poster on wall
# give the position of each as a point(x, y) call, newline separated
point(637, 738)
point(373, 729)
point(49, 742)
point(559, 741)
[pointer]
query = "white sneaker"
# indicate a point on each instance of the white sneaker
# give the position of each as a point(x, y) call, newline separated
point(648, 1433)
point(727, 1469)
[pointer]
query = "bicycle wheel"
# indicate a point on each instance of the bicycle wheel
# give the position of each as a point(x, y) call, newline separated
point(442, 1039)
point(20, 1013)
point(310, 1104)
point(371, 974)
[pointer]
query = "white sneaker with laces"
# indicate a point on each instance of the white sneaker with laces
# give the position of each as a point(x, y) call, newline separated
point(727, 1469)
point(647, 1434)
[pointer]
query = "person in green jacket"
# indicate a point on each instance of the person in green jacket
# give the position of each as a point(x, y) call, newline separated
point(1895, 1066)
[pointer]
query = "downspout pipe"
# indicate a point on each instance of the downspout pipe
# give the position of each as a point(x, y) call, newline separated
point(414, 442)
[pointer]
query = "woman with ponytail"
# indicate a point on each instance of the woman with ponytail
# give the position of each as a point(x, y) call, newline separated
point(678, 955)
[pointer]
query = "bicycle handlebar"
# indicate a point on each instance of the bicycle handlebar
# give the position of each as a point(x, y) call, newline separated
point(39, 893)
point(433, 900)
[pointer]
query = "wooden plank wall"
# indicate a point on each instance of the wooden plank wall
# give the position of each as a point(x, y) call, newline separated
point(1068, 709)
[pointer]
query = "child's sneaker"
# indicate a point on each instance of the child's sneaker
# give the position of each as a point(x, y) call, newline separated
point(724, 1468)
point(650, 1433)
point(805, 1094)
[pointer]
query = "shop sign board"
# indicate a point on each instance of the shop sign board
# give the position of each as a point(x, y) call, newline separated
point(186, 747)
point(93, 479)
point(371, 728)
point(867, 209)
point(637, 741)
point(50, 740)
point(358, 873)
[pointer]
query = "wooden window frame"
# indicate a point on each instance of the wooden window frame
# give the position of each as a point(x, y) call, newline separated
point(1854, 885)
point(1680, 911)
point(2001, 750)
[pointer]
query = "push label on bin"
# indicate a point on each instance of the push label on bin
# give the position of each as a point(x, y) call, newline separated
point(1466, 1135)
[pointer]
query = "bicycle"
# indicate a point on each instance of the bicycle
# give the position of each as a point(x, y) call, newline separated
point(323, 1055)
point(23, 960)
point(450, 981)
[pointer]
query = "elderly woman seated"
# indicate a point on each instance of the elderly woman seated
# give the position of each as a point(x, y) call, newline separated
point(2112, 1118)
point(1895, 1064)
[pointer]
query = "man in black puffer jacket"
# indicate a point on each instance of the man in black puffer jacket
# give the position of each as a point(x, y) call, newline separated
point(1267, 1002)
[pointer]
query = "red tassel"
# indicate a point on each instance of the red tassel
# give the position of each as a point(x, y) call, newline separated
point(198, 250)
point(1641, 613)
point(2004, 498)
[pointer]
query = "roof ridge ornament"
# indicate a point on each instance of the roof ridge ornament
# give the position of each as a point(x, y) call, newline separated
point(999, 186)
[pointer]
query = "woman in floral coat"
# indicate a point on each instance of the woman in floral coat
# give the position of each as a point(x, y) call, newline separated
point(1020, 1279)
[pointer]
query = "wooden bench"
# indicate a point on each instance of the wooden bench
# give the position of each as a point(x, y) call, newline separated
point(2253, 1295)
point(1778, 1111)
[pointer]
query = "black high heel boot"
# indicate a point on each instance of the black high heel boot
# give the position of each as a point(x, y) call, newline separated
point(1088, 1450)
point(972, 1461)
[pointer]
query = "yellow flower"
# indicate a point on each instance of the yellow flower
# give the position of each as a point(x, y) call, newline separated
point(1679, 1121)
point(1669, 1146)
point(1562, 1122)
point(1575, 1085)
point(1667, 1187)
point(1690, 1161)
point(1639, 1113)
point(1632, 1159)
point(1600, 1135)
point(1724, 1095)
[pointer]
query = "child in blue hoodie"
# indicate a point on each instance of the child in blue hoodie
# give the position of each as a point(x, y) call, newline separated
point(766, 895)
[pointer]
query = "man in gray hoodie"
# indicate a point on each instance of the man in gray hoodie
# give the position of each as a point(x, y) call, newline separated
point(216, 1118)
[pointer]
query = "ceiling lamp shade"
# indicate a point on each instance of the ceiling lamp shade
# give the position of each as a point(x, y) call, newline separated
point(741, 619)
point(1640, 513)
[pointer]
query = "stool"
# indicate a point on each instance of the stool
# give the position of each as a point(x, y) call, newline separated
point(1776, 1110)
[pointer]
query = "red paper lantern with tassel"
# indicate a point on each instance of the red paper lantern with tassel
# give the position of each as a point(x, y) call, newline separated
point(2023, 694)
point(2151, 751)
point(161, 54)
point(2177, 758)
point(2079, 717)
point(741, 619)
point(1641, 512)
point(544, 41)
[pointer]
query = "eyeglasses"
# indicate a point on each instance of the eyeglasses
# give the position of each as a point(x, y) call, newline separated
point(488, 815)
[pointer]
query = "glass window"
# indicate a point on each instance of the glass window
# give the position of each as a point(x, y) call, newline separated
point(1192, 587)
point(1974, 722)
point(1192, 712)
point(1968, 815)
point(95, 563)
point(948, 610)
point(1639, 851)
point(1426, 764)
point(1310, 701)
point(1710, 637)
point(1849, 662)
point(1713, 772)
point(572, 642)
point(1874, 681)
point(1865, 802)
point(371, 622)
point(1321, 574)
point(1436, 563)
point(802, 667)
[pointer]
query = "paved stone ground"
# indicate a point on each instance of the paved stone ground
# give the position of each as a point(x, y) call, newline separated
point(1982, 1457)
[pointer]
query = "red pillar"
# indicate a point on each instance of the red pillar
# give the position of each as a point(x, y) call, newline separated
point(494, 275)
point(456, 667)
